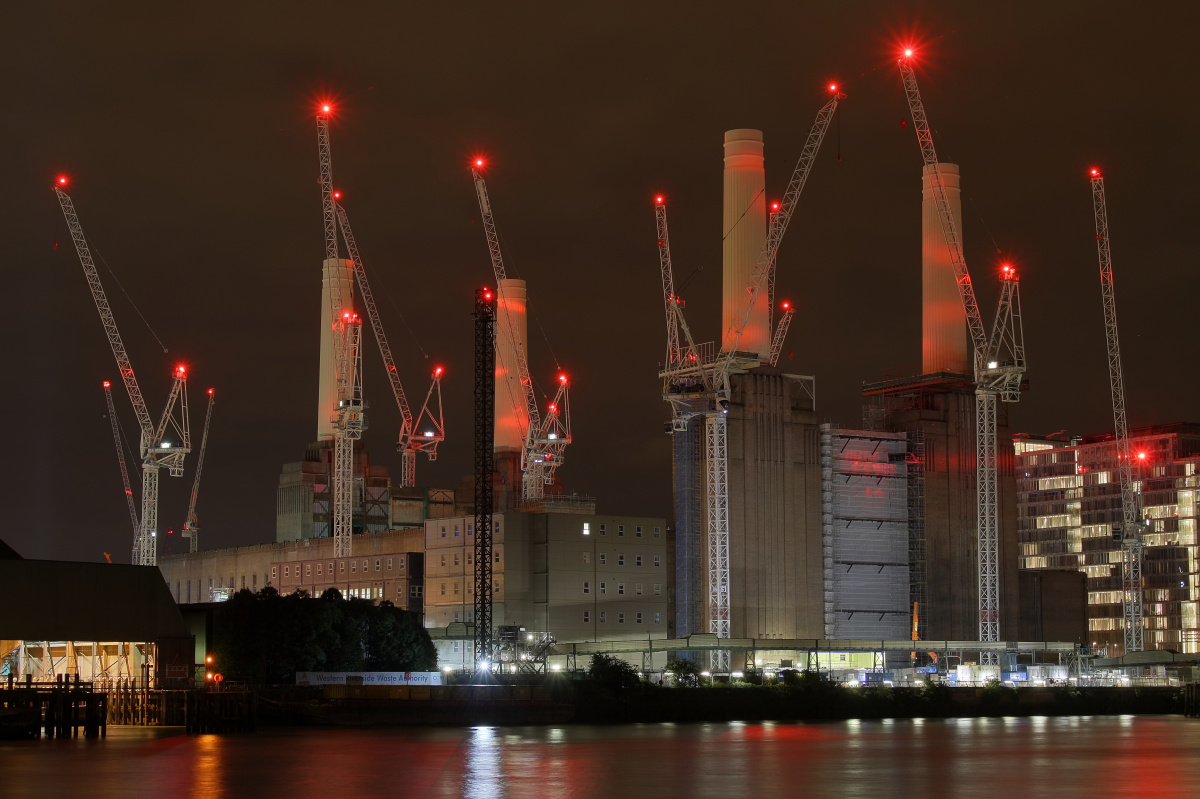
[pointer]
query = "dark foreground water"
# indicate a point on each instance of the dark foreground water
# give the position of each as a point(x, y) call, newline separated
point(1150, 756)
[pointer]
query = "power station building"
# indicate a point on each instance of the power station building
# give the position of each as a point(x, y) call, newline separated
point(1069, 499)
point(936, 411)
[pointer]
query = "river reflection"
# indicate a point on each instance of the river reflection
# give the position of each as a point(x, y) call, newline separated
point(1010, 757)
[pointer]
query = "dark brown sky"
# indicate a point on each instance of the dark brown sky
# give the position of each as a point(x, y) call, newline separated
point(189, 137)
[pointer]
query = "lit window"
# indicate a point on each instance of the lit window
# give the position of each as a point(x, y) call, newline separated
point(621, 617)
point(586, 529)
point(587, 587)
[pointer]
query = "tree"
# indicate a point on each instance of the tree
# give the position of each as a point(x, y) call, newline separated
point(687, 672)
point(612, 672)
point(266, 638)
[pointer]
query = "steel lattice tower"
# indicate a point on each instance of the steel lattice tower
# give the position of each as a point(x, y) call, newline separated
point(485, 413)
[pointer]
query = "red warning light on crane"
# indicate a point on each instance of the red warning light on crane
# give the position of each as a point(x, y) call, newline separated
point(437, 371)
point(210, 392)
point(787, 306)
point(181, 370)
point(658, 200)
point(107, 384)
point(478, 162)
point(562, 378)
point(833, 87)
point(1141, 456)
point(337, 195)
point(1094, 172)
point(62, 180)
point(774, 207)
point(908, 52)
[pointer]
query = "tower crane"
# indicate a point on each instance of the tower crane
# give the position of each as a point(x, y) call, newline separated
point(349, 418)
point(411, 442)
point(697, 385)
point(155, 448)
point(191, 526)
point(116, 431)
point(545, 439)
point(1132, 526)
point(999, 366)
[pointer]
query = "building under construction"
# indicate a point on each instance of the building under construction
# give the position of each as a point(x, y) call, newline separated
point(1069, 501)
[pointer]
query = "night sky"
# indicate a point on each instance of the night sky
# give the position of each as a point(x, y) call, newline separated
point(188, 134)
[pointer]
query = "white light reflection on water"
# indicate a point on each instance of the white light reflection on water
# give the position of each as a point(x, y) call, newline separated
point(483, 768)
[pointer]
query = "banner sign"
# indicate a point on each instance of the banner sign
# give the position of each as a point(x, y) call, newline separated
point(369, 678)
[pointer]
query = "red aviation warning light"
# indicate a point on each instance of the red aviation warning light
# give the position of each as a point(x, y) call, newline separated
point(437, 371)
point(337, 195)
point(1141, 456)
point(181, 371)
point(107, 384)
point(833, 87)
point(908, 52)
point(774, 206)
point(61, 181)
point(562, 378)
point(658, 199)
point(1094, 172)
point(478, 162)
point(210, 392)
point(787, 306)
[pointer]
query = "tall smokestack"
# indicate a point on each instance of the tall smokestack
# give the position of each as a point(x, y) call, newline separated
point(943, 320)
point(744, 231)
point(511, 414)
point(342, 271)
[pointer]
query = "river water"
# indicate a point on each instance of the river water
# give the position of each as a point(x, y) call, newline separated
point(1058, 758)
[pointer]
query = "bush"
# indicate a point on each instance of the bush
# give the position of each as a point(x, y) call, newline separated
point(687, 672)
point(612, 672)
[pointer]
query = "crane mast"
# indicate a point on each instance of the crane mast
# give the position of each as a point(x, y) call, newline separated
point(1132, 528)
point(191, 526)
point(410, 442)
point(998, 370)
point(544, 440)
point(670, 300)
point(154, 449)
point(349, 419)
point(116, 431)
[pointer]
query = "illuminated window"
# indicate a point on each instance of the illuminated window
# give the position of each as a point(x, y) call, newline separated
point(586, 529)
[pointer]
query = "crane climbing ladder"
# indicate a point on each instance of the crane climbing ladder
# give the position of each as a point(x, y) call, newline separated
point(156, 450)
point(1132, 529)
point(999, 367)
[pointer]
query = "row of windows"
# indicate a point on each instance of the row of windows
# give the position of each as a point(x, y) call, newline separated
point(293, 570)
point(603, 588)
point(587, 530)
point(470, 529)
point(470, 588)
point(470, 558)
point(603, 559)
point(602, 617)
